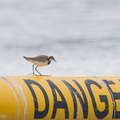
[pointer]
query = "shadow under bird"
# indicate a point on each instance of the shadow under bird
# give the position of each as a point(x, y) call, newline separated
point(39, 61)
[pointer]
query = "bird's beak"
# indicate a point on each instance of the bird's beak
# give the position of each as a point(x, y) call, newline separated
point(55, 60)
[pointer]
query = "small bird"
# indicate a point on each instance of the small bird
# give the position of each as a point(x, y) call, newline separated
point(39, 61)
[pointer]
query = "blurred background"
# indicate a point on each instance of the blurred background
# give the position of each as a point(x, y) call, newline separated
point(82, 35)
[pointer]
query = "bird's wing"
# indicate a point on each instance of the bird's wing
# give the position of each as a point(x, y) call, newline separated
point(41, 58)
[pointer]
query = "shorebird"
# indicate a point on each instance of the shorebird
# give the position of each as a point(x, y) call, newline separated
point(39, 61)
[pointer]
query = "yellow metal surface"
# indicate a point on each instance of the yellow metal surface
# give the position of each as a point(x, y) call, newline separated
point(59, 98)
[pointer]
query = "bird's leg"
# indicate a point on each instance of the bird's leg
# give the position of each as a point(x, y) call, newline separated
point(33, 73)
point(33, 69)
point(38, 71)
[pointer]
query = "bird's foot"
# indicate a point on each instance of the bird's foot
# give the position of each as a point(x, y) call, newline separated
point(30, 74)
point(42, 75)
point(37, 75)
point(46, 75)
point(33, 74)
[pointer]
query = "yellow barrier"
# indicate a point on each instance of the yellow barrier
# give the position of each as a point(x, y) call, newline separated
point(59, 98)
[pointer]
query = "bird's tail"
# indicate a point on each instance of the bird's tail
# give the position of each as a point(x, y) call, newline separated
point(26, 58)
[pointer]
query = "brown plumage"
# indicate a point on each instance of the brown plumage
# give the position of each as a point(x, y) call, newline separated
point(39, 61)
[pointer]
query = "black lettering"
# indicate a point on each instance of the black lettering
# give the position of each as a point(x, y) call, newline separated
point(114, 96)
point(58, 104)
point(103, 98)
point(38, 114)
point(83, 103)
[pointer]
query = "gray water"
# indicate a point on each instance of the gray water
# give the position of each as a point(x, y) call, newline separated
point(82, 35)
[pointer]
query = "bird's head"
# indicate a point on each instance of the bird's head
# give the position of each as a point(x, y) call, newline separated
point(51, 58)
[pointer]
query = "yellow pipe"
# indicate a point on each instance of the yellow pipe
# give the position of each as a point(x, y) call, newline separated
point(59, 98)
